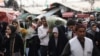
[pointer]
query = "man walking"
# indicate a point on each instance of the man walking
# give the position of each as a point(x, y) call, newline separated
point(43, 33)
point(80, 45)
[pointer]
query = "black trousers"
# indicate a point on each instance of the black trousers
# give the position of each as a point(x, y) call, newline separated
point(1, 55)
point(43, 50)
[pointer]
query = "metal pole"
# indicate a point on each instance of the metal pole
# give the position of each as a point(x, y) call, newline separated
point(92, 3)
point(20, 8)
point(46, 3)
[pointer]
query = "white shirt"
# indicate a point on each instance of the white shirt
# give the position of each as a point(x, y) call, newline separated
point(43, 36)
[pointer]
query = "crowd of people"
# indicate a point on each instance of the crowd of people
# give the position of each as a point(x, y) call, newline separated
point(35, 38)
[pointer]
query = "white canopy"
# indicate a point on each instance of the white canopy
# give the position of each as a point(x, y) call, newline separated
point(34, 10)
point(84, 6)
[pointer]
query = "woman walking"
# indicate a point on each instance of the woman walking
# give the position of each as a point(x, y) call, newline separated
point(13, 42)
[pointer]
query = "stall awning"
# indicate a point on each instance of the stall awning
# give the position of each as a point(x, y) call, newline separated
point(79, 15)
point(68, 14)
point(34, 10)
point(7, 14)
point(71, 14)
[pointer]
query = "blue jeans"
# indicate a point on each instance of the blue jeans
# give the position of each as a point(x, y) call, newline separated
point(27, 51)
point(39, 53)
point(43, 50)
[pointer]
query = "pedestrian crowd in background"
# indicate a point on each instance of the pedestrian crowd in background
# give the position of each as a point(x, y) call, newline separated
point(35, 38)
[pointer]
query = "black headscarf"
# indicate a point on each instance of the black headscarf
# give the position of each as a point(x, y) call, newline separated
point(12, 37)
point(0, 26)
point(3, 27)
point(1, 38)
point(13, 29)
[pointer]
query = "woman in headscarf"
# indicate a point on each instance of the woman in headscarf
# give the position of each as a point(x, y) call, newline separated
point(13, 42)
point(32, 41)
point(3, 27)
point(1, 45)
point(21, 31)
point(1, 41)
point(57, 42)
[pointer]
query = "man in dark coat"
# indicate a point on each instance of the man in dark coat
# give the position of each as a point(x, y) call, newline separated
point(93, 33)
point(70, 29)
point(92, 19)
